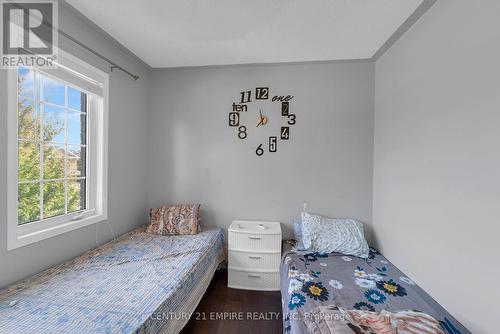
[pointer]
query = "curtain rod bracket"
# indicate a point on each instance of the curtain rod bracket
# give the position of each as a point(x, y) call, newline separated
point(116, 67)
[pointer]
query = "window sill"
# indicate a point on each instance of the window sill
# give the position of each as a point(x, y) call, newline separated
point(24, 239)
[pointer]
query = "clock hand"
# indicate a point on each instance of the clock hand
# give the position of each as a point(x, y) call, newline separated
point(260, 122)
point(261, 119)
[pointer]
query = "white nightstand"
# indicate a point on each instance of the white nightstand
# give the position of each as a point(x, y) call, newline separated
point(254, 255)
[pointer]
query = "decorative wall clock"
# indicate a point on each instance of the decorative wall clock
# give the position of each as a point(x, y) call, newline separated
point(255, 109)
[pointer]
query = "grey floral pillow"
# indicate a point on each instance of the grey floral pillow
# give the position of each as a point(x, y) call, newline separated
point(326, 235)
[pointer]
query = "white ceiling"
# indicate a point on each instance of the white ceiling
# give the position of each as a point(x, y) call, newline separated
point(167, 33)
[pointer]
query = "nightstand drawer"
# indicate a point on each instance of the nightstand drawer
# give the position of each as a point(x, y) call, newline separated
point(251, 242)
point(254, 260)
point(253, 280)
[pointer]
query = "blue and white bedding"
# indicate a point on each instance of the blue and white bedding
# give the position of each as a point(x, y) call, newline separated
point(335, 293)
point(132, 285)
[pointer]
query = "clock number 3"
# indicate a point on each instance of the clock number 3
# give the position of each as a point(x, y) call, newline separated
point(242, 132)
point(291, 119)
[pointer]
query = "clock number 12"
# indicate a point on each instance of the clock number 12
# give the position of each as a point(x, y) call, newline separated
point(262, 93)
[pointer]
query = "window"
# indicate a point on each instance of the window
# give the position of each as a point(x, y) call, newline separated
point(59, 121)
point(52, 138)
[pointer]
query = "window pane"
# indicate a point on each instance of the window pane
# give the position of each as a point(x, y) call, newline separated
point(28, 121)
point(52, 147)
point(28, 157)
point(77, 100)
point(75, 161)
point(53, 199)
point(76, 195)
point(25, 78)
point(54, 124)
point(53, 161)
point(77, 128)
point(53, 91)
point(28, 203)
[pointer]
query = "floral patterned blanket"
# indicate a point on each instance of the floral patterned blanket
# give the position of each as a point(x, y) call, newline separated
point(336, 320)
point(310, 281)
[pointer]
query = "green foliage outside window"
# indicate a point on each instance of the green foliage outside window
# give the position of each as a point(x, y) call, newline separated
point(29, 165)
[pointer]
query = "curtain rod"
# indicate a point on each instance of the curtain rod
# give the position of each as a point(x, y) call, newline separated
point(114, 66)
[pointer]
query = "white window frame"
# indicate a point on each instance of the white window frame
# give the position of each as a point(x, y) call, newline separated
point(97, 150)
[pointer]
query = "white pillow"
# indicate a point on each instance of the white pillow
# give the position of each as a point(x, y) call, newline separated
point(326, 235)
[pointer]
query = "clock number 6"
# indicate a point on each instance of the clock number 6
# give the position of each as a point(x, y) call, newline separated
point(242, 132)
point(291, 119)
point(259, 151)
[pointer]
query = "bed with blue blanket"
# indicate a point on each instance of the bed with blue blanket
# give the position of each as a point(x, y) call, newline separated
point(140, 283)
point(334, 293)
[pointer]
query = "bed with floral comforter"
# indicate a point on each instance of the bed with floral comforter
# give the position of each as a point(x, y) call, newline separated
point(141, 283)
point(315, 286)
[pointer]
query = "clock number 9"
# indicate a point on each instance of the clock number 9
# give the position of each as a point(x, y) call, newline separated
point(291, 119)
point(242, 132)
point(259, 151)
point(234, 119)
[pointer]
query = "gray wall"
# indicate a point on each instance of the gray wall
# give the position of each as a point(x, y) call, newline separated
point(435, 170)
point(127, 146)
point(196, 157)
point(436, 161)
